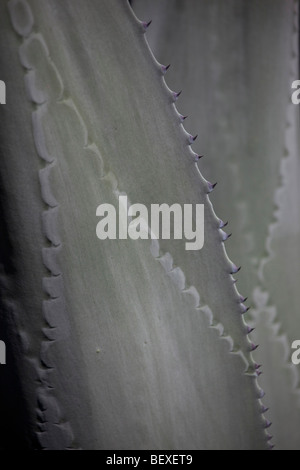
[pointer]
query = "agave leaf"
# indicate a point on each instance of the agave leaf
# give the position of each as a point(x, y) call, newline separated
point(233, 62)
point(279, 377)
point(280, 280)
point(230, 55)
point(118, 341)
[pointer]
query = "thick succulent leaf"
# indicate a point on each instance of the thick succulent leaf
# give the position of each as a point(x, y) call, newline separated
point(278, 301)
point(233, 62)
point(120, 344)
point(280, 269)
point(238, 62)
point(279, 378)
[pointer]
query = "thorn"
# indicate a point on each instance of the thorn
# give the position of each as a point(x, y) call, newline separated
point(225, 235)
point(182, 118)
point(223, 224)
point(191, 138)
point(249, 330)
point(211, 186)
point(243, 299)
point(165, 68)
point(267, 424)
point(264, 410)
point(176, 95)
point(235, 269)
point(257, 366)
point(197, 157)
point(146, 24)
point(259, 373)
point(261, 394)
point(254, 347)
point(269, 437)
point(245, 309)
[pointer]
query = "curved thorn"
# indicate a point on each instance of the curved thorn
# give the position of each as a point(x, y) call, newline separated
point(211, 186)
point(176, 95)
point(146, 24)
point(235, 269)
point(245, 309)
point(191, 139)
point(222, 224)
point(165, 68)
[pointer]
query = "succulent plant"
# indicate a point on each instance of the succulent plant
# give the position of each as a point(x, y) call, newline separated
point(139, 344)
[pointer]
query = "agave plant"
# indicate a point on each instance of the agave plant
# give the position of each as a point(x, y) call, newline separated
point(139, 344)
